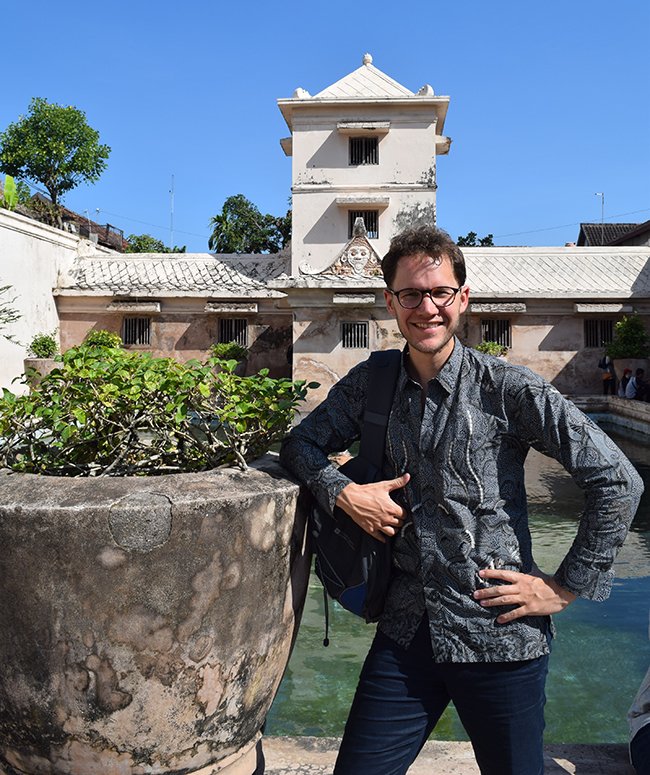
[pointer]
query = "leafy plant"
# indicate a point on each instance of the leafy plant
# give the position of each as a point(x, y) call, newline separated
point(8, 314)
point(10, 194)
point(145, 243)
point(491, 348)
point(472, 240)
point(113, 412)
point(229, 351)
point(44, 346)
point(102, 338)
point(630, 340)
point(53, 145)
point(240, 227)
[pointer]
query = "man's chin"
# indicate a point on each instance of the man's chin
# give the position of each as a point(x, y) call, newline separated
point(431, 348)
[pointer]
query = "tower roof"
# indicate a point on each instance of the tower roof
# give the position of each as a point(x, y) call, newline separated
point(366, 84)
point(366, 81)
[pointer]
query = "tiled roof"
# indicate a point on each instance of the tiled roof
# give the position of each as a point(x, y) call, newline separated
point(595, 234)
point(186, 274)
point(499, 273)
point(642, 228)
point(559, 272)
point(364, 82)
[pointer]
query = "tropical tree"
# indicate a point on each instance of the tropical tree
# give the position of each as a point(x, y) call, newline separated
point(472, 240)
point(240, 227)
point(145, 243)
point(53, 145)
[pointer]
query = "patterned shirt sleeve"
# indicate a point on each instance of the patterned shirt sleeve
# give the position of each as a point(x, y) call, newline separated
point(331, 427)
point(556, 427)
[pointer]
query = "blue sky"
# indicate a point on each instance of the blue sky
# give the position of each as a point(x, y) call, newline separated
point(549, 102)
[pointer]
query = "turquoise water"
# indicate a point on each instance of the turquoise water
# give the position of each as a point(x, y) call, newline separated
point(599, 656)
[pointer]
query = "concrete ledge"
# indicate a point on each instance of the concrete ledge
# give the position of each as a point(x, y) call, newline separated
point(630, 413)
point(316, 756)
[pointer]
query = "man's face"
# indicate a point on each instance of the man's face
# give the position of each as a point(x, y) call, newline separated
point(427, 328)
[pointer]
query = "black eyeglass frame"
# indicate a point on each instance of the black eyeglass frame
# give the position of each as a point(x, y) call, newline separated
point(429, 292)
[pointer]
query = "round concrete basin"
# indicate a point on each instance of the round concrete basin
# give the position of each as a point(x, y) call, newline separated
point(145, 623)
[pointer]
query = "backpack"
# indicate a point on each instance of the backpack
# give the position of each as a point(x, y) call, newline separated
point(354, 567)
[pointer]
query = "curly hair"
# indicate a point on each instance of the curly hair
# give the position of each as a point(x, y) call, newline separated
point(423, 240)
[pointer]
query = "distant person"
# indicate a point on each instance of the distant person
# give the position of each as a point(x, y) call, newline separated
point(622, 385)
point(609, 375)
point(637, 387)
point(639, 720)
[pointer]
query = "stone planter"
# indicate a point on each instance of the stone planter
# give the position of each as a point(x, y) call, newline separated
point(145, 623)
point(39, 368)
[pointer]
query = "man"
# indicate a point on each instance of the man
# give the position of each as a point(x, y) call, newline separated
point(637, 387)
point(467, 613)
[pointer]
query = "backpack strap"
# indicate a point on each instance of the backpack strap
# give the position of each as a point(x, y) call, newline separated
point(384, 367)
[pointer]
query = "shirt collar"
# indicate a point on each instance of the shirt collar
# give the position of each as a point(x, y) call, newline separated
point(447, 376)
point(450, 372)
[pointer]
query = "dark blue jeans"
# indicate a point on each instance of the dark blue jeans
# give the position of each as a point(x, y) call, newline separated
point(640, 751)
point(403, 692)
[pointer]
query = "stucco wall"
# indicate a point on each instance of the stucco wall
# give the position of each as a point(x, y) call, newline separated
point(182, 330)
point(32, 256)
point(318, 353)
point(321, 172)
point(548, 339)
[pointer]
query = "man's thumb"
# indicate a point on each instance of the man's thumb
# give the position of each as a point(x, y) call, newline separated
point(400, 481)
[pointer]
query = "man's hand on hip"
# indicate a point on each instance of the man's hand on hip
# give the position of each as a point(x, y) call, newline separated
point(372, 508)
point(533, 595)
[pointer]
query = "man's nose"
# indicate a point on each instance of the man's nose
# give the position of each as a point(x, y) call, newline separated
point(427, 299)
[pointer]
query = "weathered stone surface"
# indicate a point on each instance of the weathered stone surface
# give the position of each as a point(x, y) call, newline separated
point(145, 623)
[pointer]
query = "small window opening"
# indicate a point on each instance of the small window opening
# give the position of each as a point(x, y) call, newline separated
point(354, 335)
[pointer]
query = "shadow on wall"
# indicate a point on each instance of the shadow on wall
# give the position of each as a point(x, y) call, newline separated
point(197, 334)
point(641, 286)
point(331, 154)
point(327, 229)
point(270, 348)
point(580, 374)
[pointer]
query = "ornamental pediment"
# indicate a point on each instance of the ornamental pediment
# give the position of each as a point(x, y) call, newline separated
point(357, 259)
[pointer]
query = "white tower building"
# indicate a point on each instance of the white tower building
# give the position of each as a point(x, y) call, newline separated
point(348, 146)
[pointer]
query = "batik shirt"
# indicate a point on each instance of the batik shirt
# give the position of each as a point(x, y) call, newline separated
point(466, 502)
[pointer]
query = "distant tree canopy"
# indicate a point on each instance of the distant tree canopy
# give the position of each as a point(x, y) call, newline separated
point(241, 228)
point(53, 145)
point(472, 240)
point(145, 243)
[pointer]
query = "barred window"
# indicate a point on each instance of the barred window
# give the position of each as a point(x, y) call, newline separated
point(598, 332)
point(136, 331)
point(354, 336)
point(234, 330)
point(370, 221)
point(495, 330)
point(364, 150)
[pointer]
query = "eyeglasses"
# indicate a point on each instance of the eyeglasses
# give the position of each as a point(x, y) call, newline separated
point(411, 298)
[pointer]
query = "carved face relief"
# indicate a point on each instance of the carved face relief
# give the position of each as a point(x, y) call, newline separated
point(357, 257)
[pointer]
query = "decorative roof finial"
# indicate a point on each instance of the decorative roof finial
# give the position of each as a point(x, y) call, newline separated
point(367, 59)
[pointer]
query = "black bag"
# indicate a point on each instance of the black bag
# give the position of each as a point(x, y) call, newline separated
point(354, 567)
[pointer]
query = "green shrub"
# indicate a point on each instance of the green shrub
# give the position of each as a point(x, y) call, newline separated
point(229, 351)
point(491, 348)
point(44, 346)
point(102, 338)
point(9, 198)
point(117, 412)
point(630, 340)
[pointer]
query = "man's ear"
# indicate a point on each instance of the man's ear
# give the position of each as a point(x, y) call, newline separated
point(390, 302)
point(464, 298)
